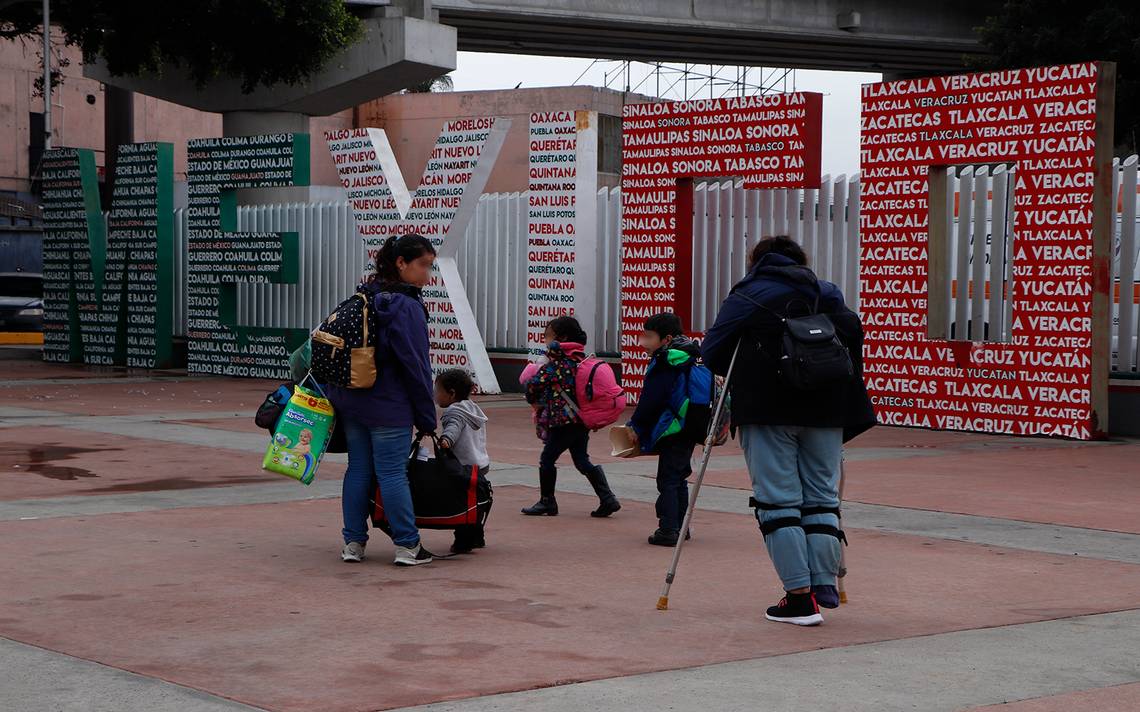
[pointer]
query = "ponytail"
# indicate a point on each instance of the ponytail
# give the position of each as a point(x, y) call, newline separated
point(410, 246)
point(567, 328)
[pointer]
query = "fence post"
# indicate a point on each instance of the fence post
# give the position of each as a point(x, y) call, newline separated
point(1128, 334)
point(851, 279)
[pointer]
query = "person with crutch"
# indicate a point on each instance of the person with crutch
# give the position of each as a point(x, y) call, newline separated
point(797, 395)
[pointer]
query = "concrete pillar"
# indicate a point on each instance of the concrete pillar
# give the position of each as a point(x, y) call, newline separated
point(421, 9)
point(118, 129)
point(393, 53)
point(253, 123)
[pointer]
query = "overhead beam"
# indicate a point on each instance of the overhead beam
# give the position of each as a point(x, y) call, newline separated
point(396, 52)
point(893, 35)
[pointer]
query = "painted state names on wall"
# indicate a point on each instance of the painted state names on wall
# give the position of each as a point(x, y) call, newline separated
point(108, 293)
point(440, 209)
point(771, 141)
point(551, 223)
point(220, 258)
point(1047, 379)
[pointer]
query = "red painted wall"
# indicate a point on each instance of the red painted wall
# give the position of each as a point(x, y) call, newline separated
point(1044, 121)
point(770, 141)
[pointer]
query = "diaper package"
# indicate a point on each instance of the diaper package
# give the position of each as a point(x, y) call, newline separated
point(301, 436)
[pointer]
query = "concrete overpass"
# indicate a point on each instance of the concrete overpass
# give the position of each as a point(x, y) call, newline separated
point(891, 36)
point(409, 41)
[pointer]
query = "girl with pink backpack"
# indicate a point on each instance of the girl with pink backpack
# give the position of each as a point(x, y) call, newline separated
point(572, 394)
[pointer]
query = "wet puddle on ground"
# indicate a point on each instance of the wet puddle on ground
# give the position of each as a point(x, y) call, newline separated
point(49, 460)
point(41, 460)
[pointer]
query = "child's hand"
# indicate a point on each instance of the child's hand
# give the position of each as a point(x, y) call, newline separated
point(633, 437)
point(445, 443)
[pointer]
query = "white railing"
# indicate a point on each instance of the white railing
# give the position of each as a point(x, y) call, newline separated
point(728, 221)
point(1126, 269)
point(979, 294)
point(979, 309)
point(493, 266)
point(331, 259)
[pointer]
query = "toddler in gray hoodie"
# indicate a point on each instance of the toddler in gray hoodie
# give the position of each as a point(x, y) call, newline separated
point(464, 433)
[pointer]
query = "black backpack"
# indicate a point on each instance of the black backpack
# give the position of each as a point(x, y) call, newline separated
point(344, 345)
point(811, 355)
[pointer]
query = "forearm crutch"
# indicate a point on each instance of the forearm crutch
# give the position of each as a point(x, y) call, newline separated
point(663, 601)
point(842, 549)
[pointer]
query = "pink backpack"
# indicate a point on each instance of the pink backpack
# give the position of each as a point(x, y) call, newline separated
point(528, 372)
point(600, 399)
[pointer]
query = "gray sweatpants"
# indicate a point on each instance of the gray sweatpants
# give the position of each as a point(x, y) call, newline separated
point(794, 471)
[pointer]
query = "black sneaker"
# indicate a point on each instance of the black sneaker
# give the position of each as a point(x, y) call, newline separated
point(417, 555)
point(796, 608)
point(826, 596)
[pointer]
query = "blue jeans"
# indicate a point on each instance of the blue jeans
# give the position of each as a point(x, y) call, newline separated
point(795, 471)
point(378, 455)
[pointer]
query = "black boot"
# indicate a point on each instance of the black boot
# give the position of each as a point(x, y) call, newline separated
point(468, 538)
point(664, 537)
point(609, 501)
point(667, 537)
point(546, 504)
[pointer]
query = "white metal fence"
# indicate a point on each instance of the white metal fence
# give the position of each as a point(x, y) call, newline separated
point(1126, 268)
point(493, 266)
point(728, 221)
point(981, 301)
point(332, 258)
point(981, 306)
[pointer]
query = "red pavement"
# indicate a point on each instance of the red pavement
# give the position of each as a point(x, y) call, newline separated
point(1096, 487)
point(1098, 482)
point(252, 602)
point(1053, 482)
point(59, 462)
point(133, 397)
point(29, 368)
point(1121, 698)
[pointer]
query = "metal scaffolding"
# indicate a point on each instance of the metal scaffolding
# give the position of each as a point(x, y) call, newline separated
point(683, 81)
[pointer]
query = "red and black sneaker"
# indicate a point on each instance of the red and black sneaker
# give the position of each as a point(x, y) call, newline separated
point(797, 609)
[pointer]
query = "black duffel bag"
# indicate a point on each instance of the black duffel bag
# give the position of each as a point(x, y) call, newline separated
point(445, 494)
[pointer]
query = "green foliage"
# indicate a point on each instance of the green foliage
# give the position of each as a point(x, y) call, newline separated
point(1026, 33)
point(259, 42)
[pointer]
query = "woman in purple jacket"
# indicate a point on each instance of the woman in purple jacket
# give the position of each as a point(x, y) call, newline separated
point(378, 421)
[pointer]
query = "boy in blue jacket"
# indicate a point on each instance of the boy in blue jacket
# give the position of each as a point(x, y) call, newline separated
point(655, 425)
